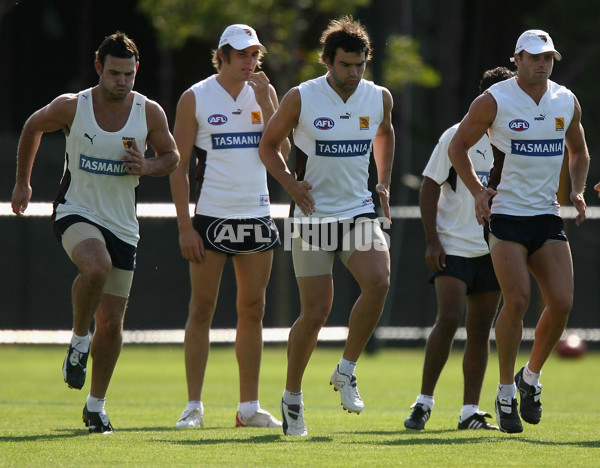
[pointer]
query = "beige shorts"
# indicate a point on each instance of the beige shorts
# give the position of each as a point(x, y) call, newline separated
point(119, 281)
point(310, 260)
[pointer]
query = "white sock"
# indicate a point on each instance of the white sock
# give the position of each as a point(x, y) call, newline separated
point(529, 377)
point(426, 400)
point(292, 398)
point(80, 343)
point(195, 405)
point(95, 405)
point(247, 409)
point(507, 391)
point(346, 367)
point(467, 411)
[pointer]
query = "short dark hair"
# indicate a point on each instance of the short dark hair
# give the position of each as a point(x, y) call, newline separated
point(346, 33)
point(493, 76)
point(118, 45)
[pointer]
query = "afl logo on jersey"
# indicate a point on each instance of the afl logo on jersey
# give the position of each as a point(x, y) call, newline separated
point(518, 125)
point(217, 119)
point(324, 123)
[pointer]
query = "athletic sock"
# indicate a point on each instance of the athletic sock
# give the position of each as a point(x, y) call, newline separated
point(192, 404)
point(467, 411)
point(292, 398)
point(529, 377)
point(95, 405)
point(247, 409)
point(426, 400)
point(507, 391)
point(346, 367)
point(80, 343)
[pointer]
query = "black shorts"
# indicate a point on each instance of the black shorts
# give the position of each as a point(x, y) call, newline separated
point(234, 236)
point(530, 231)
point(476, 272)
point(121, 253)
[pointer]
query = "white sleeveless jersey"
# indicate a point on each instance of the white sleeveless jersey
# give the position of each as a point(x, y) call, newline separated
point(457, 226)
point(99, 189)
point(532, 137)
point(336, 137)
point(235, 179)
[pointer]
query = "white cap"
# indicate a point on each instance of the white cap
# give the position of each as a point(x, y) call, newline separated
point(240, 36)
point(536, 41)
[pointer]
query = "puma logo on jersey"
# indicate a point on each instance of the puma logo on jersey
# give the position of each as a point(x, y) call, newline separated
point(89, 137)
point(482, 153)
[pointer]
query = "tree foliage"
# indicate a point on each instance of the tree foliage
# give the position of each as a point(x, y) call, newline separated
point(289, 28)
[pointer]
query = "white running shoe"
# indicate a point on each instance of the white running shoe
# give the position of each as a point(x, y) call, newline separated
point(261, 418)
point(293, 419)
point(190, 418)
point(346, 385)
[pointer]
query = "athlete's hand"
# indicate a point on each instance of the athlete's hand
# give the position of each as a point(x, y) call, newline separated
point(191, 245)
point(579, 204)
point(20, 198)
point(300, 193)
point(384, 199)
point(597, 188)
point(482, 205)
point(435, 256)
point(259, 82)
point(135, 163)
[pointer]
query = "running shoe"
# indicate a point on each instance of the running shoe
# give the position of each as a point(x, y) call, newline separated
point(417, 417)
point(97, 422)
point(74, 368)
point(190, 418)
point(293, 419)
point(477, 421)
point(346, 385)
point(261, 418)
point(531, 406)
point(507, 415)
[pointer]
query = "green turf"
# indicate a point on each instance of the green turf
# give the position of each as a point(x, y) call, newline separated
point(40, 418)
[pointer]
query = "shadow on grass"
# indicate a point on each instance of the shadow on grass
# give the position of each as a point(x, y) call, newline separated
point(263, 439)
point(422, 438)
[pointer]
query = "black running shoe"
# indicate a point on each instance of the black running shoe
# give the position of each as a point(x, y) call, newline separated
point(417, 417)
point(97, 422)
point(74, 368)
point(477, 421)
point(507, 415)
point(531, 406)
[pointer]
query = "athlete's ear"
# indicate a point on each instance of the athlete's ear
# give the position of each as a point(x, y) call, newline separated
point(98, 67)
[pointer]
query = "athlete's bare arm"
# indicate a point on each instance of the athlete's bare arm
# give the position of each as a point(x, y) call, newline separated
point(58, 115)
point(383, 153)
point(281, 124)
point(579, 162)
point(185, 130)
point(473, 126)
point(162, 142)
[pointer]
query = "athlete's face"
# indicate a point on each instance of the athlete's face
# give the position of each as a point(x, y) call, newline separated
point(346, 71)
point(242, 63)
point(117, 76)
point(534, 68)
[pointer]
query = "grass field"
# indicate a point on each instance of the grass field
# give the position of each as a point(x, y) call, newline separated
point(40, 418)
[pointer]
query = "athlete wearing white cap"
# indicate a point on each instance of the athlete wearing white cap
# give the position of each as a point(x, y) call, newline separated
point(219, 122)
point(531, 121)
point(536, 41)
point(240, 36)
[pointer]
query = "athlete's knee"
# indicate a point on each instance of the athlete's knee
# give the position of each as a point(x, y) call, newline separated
point(201, 310)
point(251, 309)
point(315, 317)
